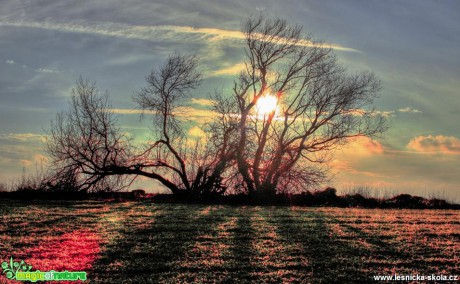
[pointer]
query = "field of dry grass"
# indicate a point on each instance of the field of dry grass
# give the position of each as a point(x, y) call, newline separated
point(141, 242)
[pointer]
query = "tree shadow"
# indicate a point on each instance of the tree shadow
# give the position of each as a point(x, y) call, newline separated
point(330, 260)
point(387, 254)
point(239, 266)
point(153, 253)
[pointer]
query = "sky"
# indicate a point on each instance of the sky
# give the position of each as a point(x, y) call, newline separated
point(412, 45)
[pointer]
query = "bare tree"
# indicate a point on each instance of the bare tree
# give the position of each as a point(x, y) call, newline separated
point(195, 166)
point(85, 143)
point(319, 107)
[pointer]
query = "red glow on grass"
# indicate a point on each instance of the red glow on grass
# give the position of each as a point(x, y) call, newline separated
point(75, 251)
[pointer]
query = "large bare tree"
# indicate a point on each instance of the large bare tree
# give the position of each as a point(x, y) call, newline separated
point(320, 106)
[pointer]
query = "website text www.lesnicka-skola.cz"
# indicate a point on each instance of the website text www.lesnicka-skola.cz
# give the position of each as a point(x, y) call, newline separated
point(416, 277)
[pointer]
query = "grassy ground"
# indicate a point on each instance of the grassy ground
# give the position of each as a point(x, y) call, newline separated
point(140, 242)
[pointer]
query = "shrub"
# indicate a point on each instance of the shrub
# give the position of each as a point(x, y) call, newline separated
point(327, 196)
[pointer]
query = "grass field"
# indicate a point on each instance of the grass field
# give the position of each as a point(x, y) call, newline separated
point(141, 242)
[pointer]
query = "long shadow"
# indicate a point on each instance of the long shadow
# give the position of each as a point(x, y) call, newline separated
point(152, 254)
point(51, 214)
point(51, 219)
point(330, 260)
point(388, 254)
point(239, 266)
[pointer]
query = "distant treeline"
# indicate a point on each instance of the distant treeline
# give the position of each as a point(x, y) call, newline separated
point(327, 197)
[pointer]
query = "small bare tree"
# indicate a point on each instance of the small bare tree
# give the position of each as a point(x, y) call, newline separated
point(195, 166)
point(85, 143)
point(319, 107)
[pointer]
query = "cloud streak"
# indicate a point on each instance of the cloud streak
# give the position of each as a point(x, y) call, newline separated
point(232, 70)
point(384, 113)
point(409, 110)
point(182, 112)
point(149, 33)
point(46, 70)
point(22, 137)
point(202, 102)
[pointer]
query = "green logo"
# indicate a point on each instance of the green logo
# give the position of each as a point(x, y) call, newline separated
point(21, 271)
point(13, 267)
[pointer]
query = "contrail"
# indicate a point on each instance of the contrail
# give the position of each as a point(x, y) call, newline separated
point(150, 33)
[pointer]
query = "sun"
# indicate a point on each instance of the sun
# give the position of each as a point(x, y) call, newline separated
point(266, 104)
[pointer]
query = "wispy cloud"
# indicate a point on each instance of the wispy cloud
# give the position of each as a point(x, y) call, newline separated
point(150, 33)
point(23, 137)
point(127, 111)
point(202, 102)
point(46, 70)
point(232, 70)
point(384, 113)
point(363, 146)
point(344, 166)
point(409, 110)
point(182, 112)
point(36, 160)
point(435, 144)
point(194, 113)
point(362, 112)
point(20, 150)
point(9, 61)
